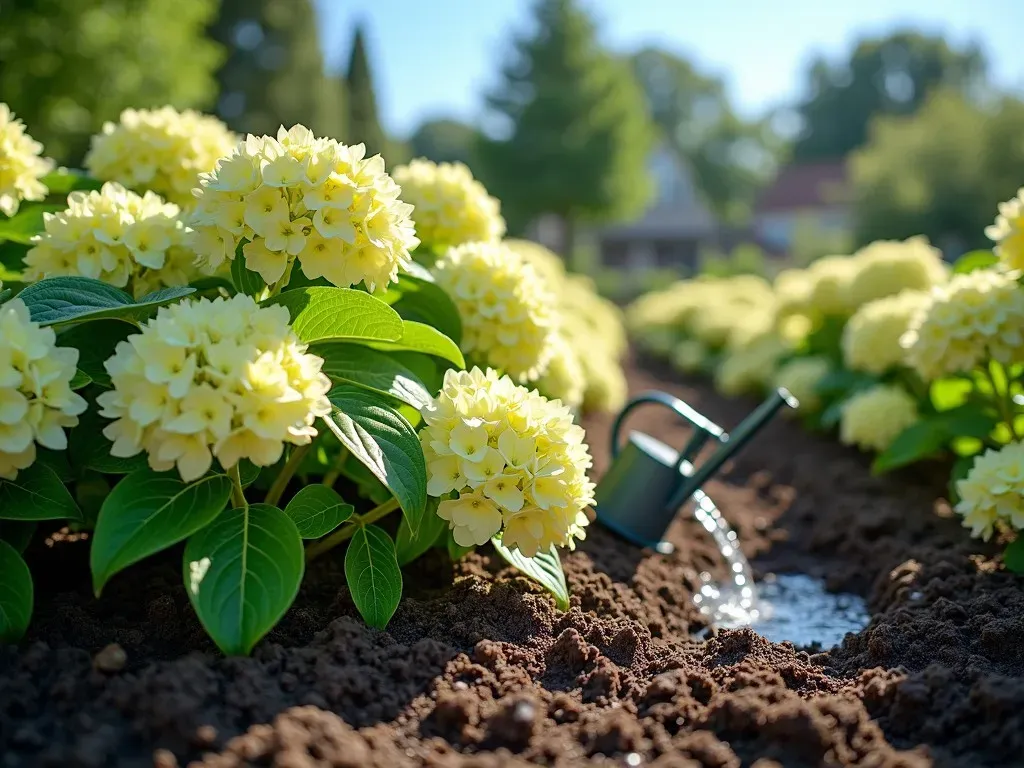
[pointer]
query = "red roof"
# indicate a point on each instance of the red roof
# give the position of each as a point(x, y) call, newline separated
point(805, 185)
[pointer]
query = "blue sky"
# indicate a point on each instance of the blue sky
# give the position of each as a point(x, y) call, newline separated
point(436, 57)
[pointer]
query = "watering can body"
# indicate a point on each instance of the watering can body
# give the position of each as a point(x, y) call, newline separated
point(648, 481)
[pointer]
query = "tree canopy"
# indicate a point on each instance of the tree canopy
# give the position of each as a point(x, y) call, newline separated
point(574, 133)
point(274, 73)
point(941, 172)
point(363, 123)
point(67, 67)
point(893, 75)
point(445, 141)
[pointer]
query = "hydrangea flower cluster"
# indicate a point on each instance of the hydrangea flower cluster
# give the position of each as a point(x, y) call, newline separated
point(161, 150)
point(564, 378)
point(831, 277)
point(36, 400)
point(21, 166)
point(515, 461)
point(886, 267)
point(993, 491)
point(223, 378)
point(1008, 232)
point(451, 207)
point(750, 367)
point(298, 197)
point(116, 236)
point(871, 338)
point(873, 418)
point(508, 314)
point(800, 378)
point(689, 355)
point(975, 317)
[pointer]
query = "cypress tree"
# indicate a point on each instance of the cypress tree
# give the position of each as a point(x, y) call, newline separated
point(578, 128)
point(274, 73)
point(363, 123)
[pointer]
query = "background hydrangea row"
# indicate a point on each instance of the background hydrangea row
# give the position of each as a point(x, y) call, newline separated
point(508, 314)
point(36, 400)
point(515, 462)
point(224, 378)
point(162, 150)
point(297, 197)
point(117, 236)
point(451, 207)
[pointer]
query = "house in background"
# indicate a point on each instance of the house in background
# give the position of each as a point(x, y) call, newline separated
point(802, 195)
point(670, 233)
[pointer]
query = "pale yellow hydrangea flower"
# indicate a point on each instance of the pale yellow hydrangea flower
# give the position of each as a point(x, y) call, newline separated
point(515, 460)
point(564, 379)
point(548, 263)
point(21, 166)
point(161, 150)
point(298, 198)
point(36, 400)
point(886, 267)
point(607, 388)
point(224, 379)
point(977, 316)
point(688, 355)
point(114, 235)
point(871, 338)
point(1008, 232)
point(993, 491)
point(508, 314)
point(800, 377)
point(748, 369)
point(451, 207)
point(872, 419)
point(831, 278)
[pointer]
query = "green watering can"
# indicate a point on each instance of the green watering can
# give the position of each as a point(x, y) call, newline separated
point(648, 482)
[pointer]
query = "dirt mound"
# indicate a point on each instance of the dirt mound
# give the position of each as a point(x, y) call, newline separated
point(478, 669)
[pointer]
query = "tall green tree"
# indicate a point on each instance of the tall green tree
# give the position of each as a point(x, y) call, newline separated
point(274, 73)
point(941, 172)
point(445, 141)
point(731, 159)
point(893, 75)
point(67, 67)
point(363, 123)
point(576, 132)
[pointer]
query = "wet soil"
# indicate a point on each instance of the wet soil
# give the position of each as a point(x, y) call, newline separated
point(477, 668)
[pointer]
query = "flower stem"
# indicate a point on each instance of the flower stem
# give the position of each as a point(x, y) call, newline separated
point(1003, 400)
point(317, 548)
point(287, 472)
point(280, 285)
point(335, 471)
point(237, 494)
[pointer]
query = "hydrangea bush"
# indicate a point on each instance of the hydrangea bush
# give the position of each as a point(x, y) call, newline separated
point(266, 364)
point(902, 355)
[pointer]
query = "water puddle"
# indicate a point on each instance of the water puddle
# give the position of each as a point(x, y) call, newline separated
point(790, 607)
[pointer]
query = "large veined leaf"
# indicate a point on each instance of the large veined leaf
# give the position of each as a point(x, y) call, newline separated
point(975, 260)
point(242, 573)
point(373, 575)
point(15, 594)
point(339, 314)
point(244, 279)
point(27, 222)
point(317, 510)
point(37, 493)
point(89, 448)
point(545, 568)
point(18, 533)
point(417, 337)
point(64, 181)
point(384, 442)
point(95, 342)
point(411, 543)
point(59, 300)
point(149, 511)
point(423, 301)
point(371, 369)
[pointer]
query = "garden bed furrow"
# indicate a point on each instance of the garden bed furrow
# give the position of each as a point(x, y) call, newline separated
point(477, 669)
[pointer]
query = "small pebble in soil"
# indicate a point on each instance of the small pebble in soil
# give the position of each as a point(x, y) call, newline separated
point(111, 659)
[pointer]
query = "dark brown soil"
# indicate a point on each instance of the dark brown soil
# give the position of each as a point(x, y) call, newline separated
point(478, 668)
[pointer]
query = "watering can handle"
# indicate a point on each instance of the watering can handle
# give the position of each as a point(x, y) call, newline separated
point(663, 398)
